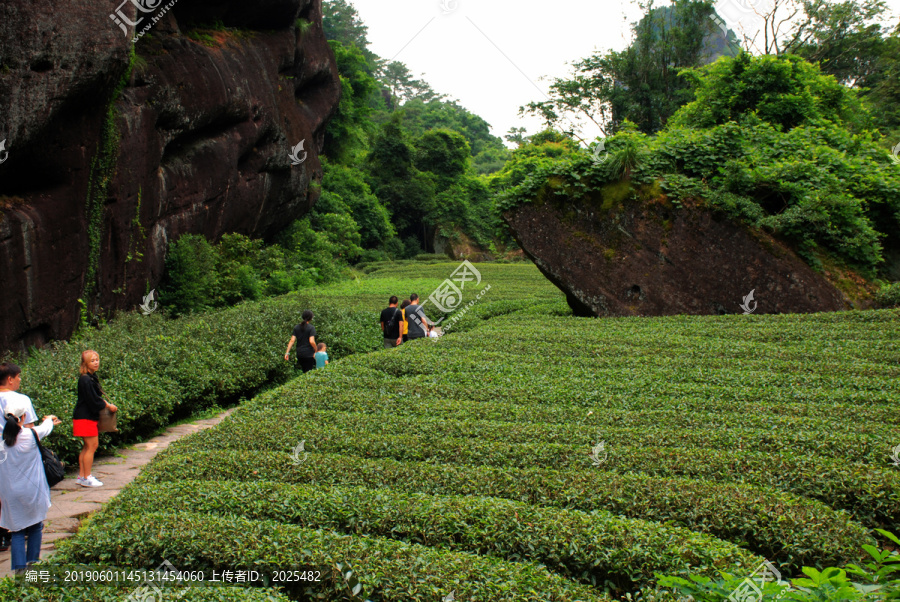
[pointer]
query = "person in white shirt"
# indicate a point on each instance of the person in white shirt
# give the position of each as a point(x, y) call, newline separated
point(10, 379)
point(24, 492)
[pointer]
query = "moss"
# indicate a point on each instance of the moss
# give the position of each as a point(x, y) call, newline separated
point(217, 35)
point(303, 26)
point(615, 194)
point(651, 192)
point(203, 38)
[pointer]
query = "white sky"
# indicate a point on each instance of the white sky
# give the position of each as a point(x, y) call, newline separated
point(491, 54)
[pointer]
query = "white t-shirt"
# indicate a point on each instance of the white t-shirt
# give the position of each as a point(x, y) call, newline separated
point(6, 396)
point(24, 492)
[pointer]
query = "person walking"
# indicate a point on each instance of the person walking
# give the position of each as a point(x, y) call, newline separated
point(87, 415)
point(305, 336)
point(24, 492)
point(391, 320)
point(419, 324)
point(403, 305)
point(10, 379)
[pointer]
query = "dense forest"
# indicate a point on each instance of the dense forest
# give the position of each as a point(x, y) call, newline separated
point(789, 131)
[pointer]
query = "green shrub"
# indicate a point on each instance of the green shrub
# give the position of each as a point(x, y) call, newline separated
point(69, 592)
point(598, 548)
point(494, 424)
point(889, 295)
point(445, 418)
point(191, 282)
point(386, 570)
point(871, 495)
point(781, 527)
point(156, 369)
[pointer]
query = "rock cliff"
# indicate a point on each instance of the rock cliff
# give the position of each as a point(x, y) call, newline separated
point(650, 259)
point(119, 142)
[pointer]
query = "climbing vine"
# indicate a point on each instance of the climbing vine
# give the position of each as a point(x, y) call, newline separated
point(103, 167)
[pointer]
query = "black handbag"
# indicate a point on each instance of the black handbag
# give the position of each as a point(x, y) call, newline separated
point(54, 469)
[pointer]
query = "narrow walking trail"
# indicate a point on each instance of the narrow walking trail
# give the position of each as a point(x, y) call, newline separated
point(72, 502)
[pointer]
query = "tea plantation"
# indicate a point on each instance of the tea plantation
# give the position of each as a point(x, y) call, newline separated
point(531, 455)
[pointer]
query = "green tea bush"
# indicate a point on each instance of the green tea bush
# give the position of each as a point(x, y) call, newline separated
point(597, 548)
point(11, 590)
point(524, 423)
point(156, 370)
point(782, 527)
point(871, 495)
point(386, 569)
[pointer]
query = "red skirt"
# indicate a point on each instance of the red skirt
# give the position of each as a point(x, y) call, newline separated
point(85, 428)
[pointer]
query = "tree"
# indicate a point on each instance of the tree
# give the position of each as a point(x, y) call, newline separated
point(842, 37)
point(444, 153)
point(404, 190)
point(345, 191)
point(782, 90)
point(348, 131)
point(399, 81)
point(421, 116)
point(884, 94)
point(191, 282)
point(341, 23)
point(641, 83)
point(516, 135)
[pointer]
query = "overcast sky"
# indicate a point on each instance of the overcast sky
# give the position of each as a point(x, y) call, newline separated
point(491, 55)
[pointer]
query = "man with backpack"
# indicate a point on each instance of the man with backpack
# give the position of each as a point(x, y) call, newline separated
point(391, 321)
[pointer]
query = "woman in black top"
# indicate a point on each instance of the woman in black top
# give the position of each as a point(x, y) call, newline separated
point(305, 336)
point(87, 415)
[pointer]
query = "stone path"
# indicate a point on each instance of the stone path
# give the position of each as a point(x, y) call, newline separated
point(72, 502)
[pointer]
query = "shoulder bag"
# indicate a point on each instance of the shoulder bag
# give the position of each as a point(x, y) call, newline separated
point(54, 469)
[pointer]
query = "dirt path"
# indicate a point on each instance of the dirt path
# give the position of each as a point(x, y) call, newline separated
point(72, 502)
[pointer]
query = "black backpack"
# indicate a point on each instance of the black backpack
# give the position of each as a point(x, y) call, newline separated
point(393, 319)
point(53, 466)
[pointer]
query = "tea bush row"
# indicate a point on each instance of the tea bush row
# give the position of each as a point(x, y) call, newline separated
point(650, 432)
point(361, 389)
point(596, 548)
point(435, 357)
point(779, 526)
point(156, 370)
point(389, 570)
point(871, 495)
point(69, 592)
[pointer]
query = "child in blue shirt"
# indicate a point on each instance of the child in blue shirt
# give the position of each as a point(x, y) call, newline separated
point(321, 356)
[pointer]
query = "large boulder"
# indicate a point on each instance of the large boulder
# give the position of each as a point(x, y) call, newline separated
point(650, 259)
point(112, 156)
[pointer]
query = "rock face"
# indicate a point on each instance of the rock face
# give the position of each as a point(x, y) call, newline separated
point(107, 163)
point(650, 259)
